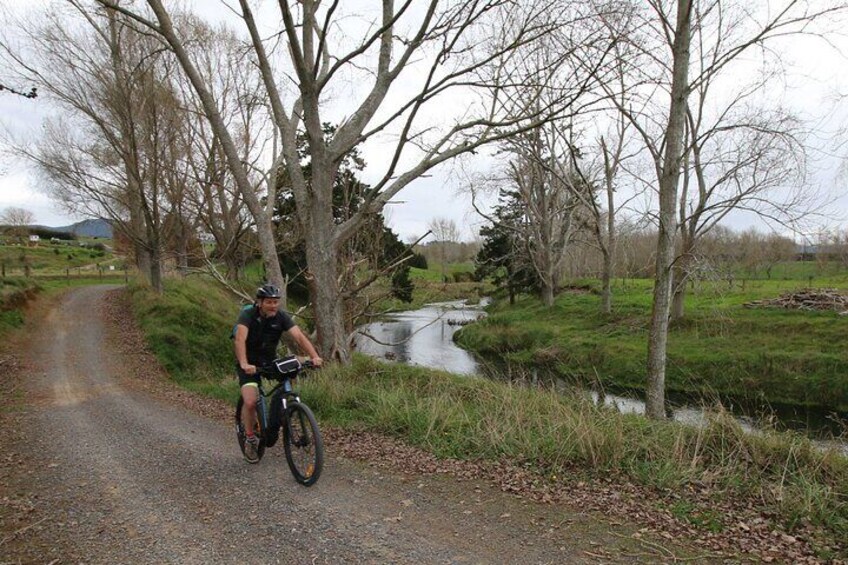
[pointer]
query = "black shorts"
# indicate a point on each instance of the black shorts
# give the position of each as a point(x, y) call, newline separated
point(244, 378)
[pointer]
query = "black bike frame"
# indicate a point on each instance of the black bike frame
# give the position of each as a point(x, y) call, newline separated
point(279, 399)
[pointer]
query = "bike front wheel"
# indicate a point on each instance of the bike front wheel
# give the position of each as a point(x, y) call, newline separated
point(303, 445)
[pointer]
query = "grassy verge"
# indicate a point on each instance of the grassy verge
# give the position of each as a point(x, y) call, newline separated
point(782, 356)
point(558, 435)
point(14, 294)
point(563, 435)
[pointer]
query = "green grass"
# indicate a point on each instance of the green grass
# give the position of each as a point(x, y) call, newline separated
point(795, 270)
point(557, 435)
point(14, 294)
point(187, 326)
point(782, 356)
point(434, 271)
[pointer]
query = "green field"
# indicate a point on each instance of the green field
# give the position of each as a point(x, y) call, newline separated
point(786, 356)
point(55, 258)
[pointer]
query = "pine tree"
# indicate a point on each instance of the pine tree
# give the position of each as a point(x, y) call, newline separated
point(502, 256)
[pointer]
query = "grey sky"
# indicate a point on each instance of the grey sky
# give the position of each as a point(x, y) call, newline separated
point(811, 89)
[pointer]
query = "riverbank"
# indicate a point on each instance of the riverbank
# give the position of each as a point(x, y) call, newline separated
point(710, 479)
point(721, 349)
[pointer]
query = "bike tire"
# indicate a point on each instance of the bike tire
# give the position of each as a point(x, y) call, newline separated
point(303, 444)
point(259, 429)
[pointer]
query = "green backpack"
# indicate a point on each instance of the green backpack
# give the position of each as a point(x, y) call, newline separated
point(244, 308)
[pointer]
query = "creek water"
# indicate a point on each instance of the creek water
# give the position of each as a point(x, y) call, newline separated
point(425, 337)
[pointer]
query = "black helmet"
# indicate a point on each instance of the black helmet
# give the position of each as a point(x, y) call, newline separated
point(268, 291)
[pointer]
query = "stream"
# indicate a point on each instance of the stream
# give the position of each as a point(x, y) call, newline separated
point(424, 337)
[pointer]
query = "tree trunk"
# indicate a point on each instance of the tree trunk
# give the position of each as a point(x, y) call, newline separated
point(182, 245)
point(327, 304)
point(681, 273)
point(606, 283)
point(510, 285)
point(678, 282)
point(322, 257)
point(609, 249)
point(658, 338)
point(547, 294)
point(155, 272)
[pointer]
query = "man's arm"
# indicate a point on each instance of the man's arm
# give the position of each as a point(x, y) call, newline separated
point(305, 345)
point(241, 350)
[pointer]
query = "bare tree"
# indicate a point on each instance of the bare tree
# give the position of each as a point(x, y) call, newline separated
point(664, 67)
point(548, 186)
point(17, 220)
point(599, 169)
point(742, 154)
point(464, 44)
point(668, 174)
point(217, 203)
point(116, 151)
point(446, 236)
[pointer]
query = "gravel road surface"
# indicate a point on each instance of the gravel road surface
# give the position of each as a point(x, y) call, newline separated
point(95, 469)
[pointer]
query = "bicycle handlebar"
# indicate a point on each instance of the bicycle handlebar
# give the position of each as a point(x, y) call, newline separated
point(285, 367)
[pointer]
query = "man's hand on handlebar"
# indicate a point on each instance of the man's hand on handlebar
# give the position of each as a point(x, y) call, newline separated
point(310, 362)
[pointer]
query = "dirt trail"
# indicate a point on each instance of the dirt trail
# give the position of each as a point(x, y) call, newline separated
point(93, 469)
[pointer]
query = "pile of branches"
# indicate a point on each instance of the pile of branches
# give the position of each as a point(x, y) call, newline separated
point(807, 299)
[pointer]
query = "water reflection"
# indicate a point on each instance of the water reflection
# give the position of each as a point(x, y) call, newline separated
point(423, 337)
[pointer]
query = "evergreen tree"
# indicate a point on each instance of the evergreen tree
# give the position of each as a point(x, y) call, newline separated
point(503, 254)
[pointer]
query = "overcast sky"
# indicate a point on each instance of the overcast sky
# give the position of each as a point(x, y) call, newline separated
point(813, 87)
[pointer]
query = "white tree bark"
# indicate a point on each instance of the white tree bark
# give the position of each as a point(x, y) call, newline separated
point(658, 335)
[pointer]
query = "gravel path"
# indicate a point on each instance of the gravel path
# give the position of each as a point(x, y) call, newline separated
point(96, 469)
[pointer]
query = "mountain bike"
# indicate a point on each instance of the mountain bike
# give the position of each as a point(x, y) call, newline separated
point(282, 410)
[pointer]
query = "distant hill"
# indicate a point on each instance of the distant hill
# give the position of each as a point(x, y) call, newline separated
point(89, 228)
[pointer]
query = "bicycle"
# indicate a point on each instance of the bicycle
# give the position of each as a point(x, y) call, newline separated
point(282, 409)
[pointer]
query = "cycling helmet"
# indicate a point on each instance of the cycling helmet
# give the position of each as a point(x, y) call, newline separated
point(268, 291)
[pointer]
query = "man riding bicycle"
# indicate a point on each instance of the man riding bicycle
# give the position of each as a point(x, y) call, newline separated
point(258, 332)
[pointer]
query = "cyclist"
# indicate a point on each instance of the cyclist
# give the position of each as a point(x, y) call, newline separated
point(258, 332)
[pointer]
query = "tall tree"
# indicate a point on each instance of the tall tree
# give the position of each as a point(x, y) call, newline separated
point(548, 186)
point(461, 44)
point(668, 178)
point(115, 150)
point(503, 255)
point(446, 237)
point(375, 250)
point(662, 73)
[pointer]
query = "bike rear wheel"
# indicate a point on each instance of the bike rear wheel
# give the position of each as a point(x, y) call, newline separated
point(258, 428)
point(303, 445)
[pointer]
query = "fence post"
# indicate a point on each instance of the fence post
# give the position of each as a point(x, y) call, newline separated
point(4, 269)
point(126, 275)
